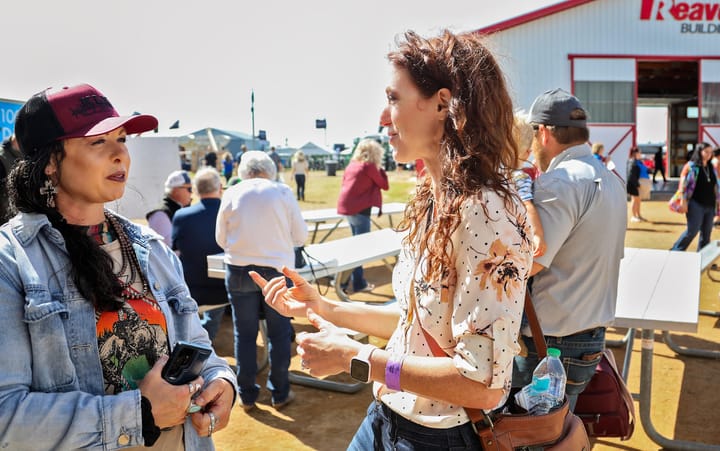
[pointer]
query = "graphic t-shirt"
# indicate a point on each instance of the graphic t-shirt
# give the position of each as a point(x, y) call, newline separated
point(131, 339)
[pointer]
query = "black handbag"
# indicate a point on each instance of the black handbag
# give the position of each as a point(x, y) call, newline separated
point(300, 257)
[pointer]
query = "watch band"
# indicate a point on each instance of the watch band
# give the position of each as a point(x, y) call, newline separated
point(360, 366)
point(392, 372)
point(365, 352)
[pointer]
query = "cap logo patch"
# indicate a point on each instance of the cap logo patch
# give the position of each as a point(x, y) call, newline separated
point(92, 104)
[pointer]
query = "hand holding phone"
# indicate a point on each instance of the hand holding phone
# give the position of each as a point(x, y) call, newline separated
point(186, 363)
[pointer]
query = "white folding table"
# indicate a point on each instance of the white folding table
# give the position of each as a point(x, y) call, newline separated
point(334, 258)
point(657, 290)
point(331, 218)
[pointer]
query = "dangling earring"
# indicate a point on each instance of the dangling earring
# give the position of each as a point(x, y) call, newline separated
point(49, 192)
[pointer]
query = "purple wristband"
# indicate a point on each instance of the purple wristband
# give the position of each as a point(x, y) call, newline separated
point(392, 372)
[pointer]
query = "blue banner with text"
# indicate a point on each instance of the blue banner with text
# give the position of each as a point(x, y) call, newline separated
point(8, 110)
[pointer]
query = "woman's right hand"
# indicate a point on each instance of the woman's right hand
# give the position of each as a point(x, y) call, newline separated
point(169, 402)
point(290, 302)
point(683, 208)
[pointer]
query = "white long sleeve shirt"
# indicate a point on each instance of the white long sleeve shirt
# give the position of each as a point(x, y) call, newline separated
point(259, 223)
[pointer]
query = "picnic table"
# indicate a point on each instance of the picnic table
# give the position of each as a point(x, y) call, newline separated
point(657, 290)
point(329, 220)
point(327, 259)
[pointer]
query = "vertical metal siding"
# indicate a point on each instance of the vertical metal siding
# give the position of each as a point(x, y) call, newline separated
point(534, 55)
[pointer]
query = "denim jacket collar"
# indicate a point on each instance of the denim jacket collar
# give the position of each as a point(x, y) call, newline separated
point(26, 227)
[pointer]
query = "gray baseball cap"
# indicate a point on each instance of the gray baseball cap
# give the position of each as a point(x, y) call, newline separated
point(554, 107)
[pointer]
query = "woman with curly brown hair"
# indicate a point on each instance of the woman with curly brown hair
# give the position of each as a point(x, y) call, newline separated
point(460, 279)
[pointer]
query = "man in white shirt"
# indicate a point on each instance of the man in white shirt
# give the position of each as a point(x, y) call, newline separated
point(258, 225)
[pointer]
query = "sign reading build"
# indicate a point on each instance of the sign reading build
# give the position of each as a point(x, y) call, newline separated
point(8, 110)
point(691, 14)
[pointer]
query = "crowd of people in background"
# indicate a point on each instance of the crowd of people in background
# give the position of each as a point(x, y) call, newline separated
point(501, 197)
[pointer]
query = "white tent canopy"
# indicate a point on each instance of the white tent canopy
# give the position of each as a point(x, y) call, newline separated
point(311, 149)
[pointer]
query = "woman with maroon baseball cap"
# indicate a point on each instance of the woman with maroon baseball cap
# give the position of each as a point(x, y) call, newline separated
point(92, 303)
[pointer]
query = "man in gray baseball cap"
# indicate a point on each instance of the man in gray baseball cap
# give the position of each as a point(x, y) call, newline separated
point(584, 215)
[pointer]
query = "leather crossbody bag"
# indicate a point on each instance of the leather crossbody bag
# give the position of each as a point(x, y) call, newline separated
point(558, 430)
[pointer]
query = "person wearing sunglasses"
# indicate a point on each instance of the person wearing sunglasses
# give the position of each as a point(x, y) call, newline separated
point(178, 194)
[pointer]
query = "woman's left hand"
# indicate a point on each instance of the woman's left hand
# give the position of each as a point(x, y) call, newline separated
point(216, 399)
point(327, 351)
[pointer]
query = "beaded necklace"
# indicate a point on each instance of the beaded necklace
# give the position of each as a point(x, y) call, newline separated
point(129, 259)
point(706, 170)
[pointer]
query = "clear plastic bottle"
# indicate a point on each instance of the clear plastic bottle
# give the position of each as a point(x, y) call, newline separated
point(547, 389)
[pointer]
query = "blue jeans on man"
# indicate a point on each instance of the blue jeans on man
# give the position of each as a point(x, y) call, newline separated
point(580, 354)
point(211, 321)
point(359, 224)
point(248, 303)
point(699, 219)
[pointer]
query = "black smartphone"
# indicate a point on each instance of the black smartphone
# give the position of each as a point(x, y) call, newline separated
point(185, 363)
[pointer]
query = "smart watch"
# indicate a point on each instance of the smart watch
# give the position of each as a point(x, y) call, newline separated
point(360, 364)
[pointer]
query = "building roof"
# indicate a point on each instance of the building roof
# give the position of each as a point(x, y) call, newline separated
point(531, 16)
point(310, 148)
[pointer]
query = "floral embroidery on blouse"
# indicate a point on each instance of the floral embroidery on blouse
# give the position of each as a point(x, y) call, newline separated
point(499, 271)
point(473, 313)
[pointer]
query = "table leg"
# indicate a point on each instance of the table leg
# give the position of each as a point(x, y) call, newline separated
point(263, 357)
point(329, 232)
point(315, 231)
point(339, 277)
point(626, 341)
point(648, 341)
point(314, 382)
point(709, 313)
point(692, 352)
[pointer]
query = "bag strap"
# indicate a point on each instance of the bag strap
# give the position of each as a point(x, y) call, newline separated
point(477, 415)
point(537, 332)
point(308, 260)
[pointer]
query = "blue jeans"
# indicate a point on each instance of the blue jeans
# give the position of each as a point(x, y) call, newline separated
point(580, 354)
point(300, 182)
point(248, 304)
point(358, 224)
point(211, 321)
point(382, 429)
point(699, 219)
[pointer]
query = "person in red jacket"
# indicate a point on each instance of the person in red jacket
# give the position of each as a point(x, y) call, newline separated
point(362, 181)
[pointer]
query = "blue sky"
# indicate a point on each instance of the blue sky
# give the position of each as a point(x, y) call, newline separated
point(199, 61)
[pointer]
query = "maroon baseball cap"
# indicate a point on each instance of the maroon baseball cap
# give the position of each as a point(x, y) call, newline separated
point(73, 112)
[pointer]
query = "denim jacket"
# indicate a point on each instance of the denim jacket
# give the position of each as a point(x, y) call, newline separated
point(51, 380)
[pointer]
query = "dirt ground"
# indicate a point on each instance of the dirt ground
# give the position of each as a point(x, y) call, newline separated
point(685, 391)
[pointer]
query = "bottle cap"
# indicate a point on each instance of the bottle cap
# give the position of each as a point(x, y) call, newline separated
point(555, 352)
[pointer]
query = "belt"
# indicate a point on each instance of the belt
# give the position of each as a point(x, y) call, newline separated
point(582, 332)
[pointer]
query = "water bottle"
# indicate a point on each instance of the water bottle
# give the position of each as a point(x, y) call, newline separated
point(547, 389)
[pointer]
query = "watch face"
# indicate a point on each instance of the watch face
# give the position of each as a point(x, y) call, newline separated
point(359, 370)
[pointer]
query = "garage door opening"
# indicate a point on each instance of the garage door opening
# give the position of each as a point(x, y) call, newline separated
point(672, 85)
